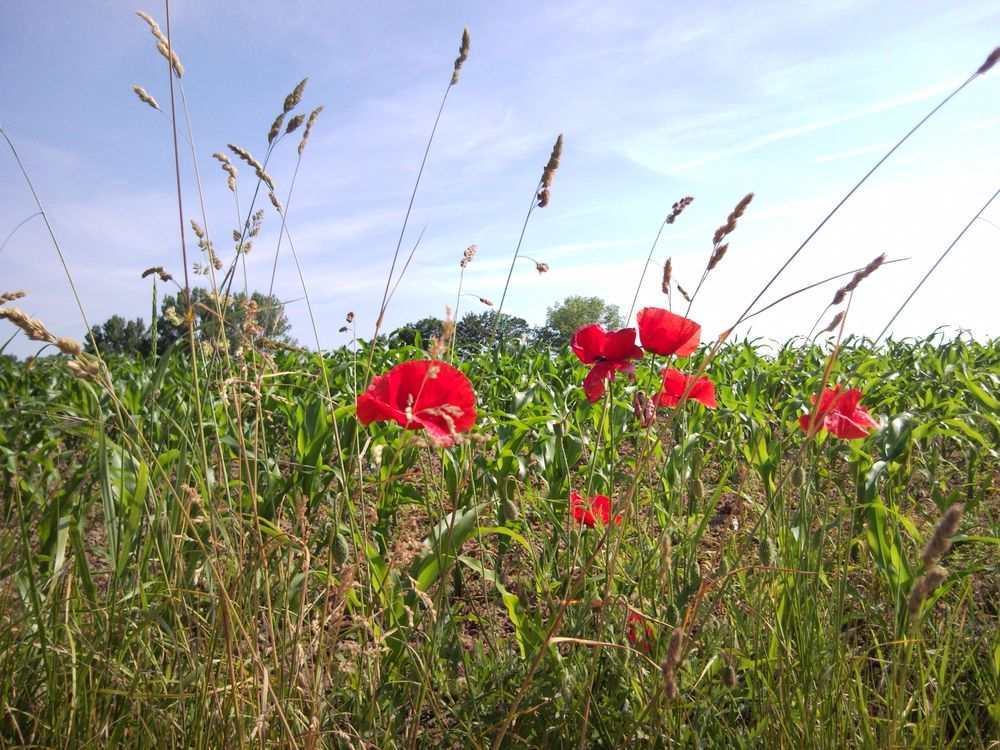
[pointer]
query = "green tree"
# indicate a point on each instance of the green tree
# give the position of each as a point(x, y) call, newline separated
point(428, 328)
point(119, 336)
point(242, 318)
point(476, 330)
point(563, 319)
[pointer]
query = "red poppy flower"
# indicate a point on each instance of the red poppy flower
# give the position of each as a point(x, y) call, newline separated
point(608, 352)
point(662, 332)
point(634, 629)
point(598, 512)
point(840, 414)
point(675, 383)
point(422, 394)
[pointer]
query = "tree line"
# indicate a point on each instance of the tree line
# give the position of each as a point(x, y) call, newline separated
point(237, 319)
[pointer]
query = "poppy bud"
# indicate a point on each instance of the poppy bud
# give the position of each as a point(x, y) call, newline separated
point(697, 454)
point(510, 511)
point(798, 476)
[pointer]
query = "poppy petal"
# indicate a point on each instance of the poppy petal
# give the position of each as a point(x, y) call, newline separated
point(675, 383)
point(663, 332)
point(588, 343)
point(421, 394)
point(620, 345)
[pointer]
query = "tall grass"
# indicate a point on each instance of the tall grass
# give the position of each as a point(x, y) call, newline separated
point(206, 549)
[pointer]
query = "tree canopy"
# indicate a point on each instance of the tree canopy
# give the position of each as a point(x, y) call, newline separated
point(243, 318)
point(563, 319)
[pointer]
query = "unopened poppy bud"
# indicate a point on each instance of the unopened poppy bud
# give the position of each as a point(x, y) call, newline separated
point(697, 454)
point(798, 476)
point(510, 511)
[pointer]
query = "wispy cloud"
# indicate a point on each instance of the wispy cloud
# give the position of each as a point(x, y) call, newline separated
point(780, 135)
point(878, 147)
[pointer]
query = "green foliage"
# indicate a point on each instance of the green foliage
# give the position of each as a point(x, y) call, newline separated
point(233, 319)
point(166, 537)
point(119, 336)
point(476, 331)
point(563, 319)
point(425, 328)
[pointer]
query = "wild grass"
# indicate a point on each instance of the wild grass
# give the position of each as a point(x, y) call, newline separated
point(206, 549)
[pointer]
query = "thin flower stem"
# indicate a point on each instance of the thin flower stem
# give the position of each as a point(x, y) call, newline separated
point(52, 236)
point(936, 264)
point(844, 200)
point(14, 230)
point(517, 250)
point(813, 286)
point(402, 232)
point(642, 277)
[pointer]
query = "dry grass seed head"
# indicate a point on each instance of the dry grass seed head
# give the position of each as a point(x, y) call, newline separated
point(275, 127)
point(924, 587)
point(266, 179)
point(309, 123)
point(294, 98)
point(674, 646)
point(145, 97)
point(463, 55)
point(154, 27)
point(834, 323)
point(717, 255)
point(553, 164)
point(69, 346)
point(864, 273)
point(940, 542)
point(991, 60)
point(668, 269)
point(10, 296)
point(164, 49)
point(679, 207)
point(159, 271)
point(294, 123)
point(439, 345)
point(33, 328)
point(85, 369)
point(730, 224)
point(245, 156)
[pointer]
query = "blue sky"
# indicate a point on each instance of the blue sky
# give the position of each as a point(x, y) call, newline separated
point(792, 101)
